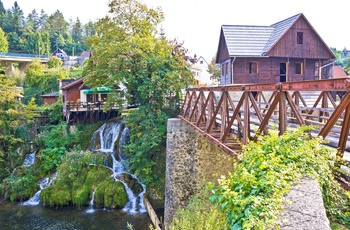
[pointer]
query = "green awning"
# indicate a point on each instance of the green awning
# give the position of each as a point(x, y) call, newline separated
point(98, 90)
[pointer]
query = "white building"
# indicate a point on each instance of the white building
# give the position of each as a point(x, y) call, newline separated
point(199, 69)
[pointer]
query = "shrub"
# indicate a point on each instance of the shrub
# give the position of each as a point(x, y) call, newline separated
point(252, 196)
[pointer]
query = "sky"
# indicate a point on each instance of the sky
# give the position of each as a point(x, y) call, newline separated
point(197, 23)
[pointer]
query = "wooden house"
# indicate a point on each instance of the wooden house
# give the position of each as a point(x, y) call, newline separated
point(50, 98)
point(289, 50)
point(84, 104)
point(61, 54)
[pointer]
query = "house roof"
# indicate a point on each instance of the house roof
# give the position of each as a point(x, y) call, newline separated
point(60, 51)
point(73, 83)
point(257, 40)
point(50, 95)
point(339, 72)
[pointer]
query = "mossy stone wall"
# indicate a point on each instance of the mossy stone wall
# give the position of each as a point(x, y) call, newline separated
point(190, 160)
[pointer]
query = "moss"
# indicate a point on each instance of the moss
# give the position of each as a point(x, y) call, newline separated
point(54, 196)
point(111, 194)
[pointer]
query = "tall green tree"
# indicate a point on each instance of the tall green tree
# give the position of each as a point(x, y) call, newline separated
point(3, 42)
point(128, 50)
point(2, 14)
point(57, 27)
point(12, 114)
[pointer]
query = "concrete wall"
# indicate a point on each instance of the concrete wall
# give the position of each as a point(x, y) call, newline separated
point(190, 160)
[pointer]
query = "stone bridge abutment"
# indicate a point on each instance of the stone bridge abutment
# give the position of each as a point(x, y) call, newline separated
point(190, 160)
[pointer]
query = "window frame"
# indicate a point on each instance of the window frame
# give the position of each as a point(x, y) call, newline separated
point(253, 67)
point(300, 38)
point(299, 68)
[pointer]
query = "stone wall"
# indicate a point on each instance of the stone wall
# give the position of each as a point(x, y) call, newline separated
point(190, 160)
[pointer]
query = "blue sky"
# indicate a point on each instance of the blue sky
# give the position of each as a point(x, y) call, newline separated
point(197, 22)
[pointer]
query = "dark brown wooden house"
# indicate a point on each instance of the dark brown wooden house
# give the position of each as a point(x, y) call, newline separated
point(289, 50)
point(50, 98)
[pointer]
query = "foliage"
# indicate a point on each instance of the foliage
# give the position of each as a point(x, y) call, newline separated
point(52, 146)
point(54, 62)
point(214, 69)
point(128, 51)
point(200, 213)
point(40, 81)
point(4, 45)
point(78, 176)
point(54, 111)
point(20, 186)
point(12, 115)
point(148, 135)
point(252, 196)
point(42, 34)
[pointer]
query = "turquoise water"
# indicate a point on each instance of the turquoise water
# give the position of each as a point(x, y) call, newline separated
point(16, 216)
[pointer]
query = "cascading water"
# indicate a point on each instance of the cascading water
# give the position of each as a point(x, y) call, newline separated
point(104, 140)
point(29, 159)
point(44, 183)
point(91, 208)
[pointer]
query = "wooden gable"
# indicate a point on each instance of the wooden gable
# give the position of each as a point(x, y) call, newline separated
point(222, 53)
point(312, 44)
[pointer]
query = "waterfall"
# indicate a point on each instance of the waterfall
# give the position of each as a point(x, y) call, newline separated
point(44, 183)
point(104, 140)
point(91, 208)
point(35, 200)
point(29, 159)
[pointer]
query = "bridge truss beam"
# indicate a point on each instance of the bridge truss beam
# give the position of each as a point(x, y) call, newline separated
point(232, 115)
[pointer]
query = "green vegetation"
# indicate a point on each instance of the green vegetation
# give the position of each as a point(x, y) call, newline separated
point(12, 116)
point(40, 33)
point(78, 176)
point(252, 196)
point(342, 60)
point(3, 42)
point(129, 50)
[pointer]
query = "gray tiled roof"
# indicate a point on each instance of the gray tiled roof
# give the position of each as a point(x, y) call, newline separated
point(254, 40)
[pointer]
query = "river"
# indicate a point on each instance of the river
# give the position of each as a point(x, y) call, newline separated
point(16, 216)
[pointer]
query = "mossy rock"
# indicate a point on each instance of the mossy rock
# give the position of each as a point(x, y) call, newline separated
point(132, 182)
point(82, 190)
point(54, 196)
point(111, 194)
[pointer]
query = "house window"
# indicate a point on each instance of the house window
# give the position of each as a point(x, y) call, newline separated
point(201, 62)
point(253, 67)
point(299, 37)
point(298, 68)
point(226, 68)
point(223, 69)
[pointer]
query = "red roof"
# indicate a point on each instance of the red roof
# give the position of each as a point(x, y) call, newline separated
point(339, 72)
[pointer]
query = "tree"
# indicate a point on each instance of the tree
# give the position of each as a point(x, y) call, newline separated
point(12, 114)
point(57, 27)
point(3, 42)
point(127, 50)
point(214, 69)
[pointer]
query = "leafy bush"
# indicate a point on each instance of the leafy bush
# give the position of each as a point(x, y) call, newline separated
point(200, 213)
point(54, 62)
point(147, 140)
point(252, 196)
point(53, 144)
point(21, 186)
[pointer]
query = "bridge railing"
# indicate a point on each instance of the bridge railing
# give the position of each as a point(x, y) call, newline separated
point(233, 114)
point(22, 55)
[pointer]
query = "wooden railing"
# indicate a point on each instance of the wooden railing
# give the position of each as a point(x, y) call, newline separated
point(233, 114)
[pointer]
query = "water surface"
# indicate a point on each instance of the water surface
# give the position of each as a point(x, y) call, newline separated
point(16, 216)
